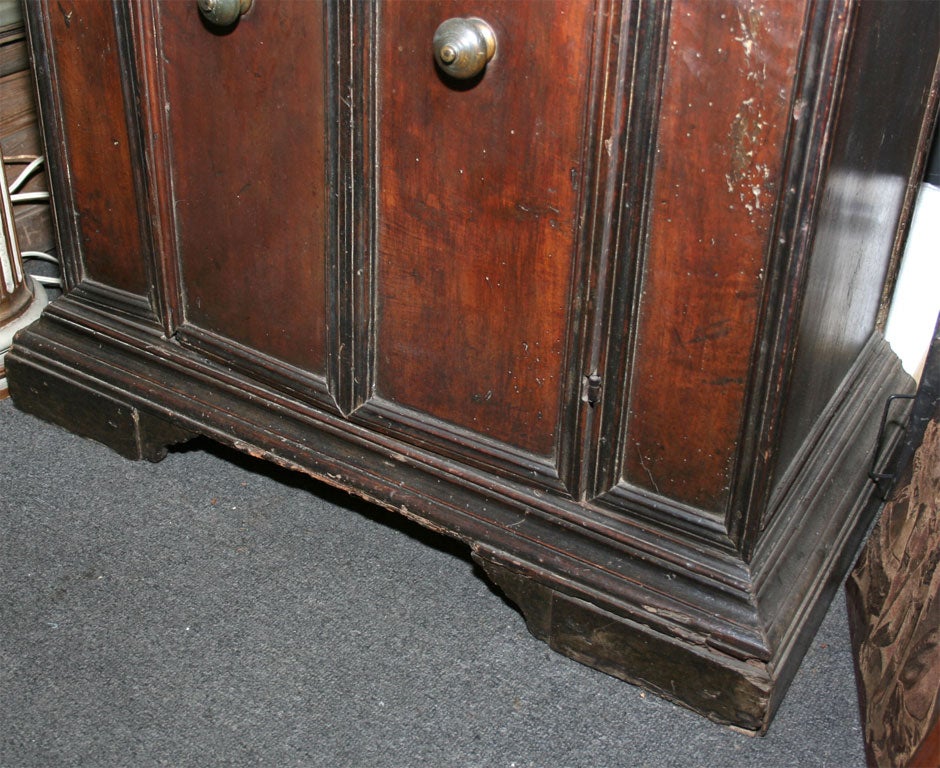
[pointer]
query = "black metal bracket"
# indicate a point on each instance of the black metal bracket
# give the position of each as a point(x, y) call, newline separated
point(884, 480)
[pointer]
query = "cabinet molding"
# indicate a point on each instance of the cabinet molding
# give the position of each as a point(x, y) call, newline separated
point(609, 312)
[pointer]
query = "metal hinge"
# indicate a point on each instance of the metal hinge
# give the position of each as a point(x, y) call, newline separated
point(591, 389)
point(884, 481)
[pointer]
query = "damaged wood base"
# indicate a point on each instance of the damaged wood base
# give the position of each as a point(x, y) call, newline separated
point(133, 433)
point(724, 689)
point(692, 622)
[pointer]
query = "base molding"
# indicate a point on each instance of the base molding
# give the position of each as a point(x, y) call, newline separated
point(724, 689)
point(699, 625)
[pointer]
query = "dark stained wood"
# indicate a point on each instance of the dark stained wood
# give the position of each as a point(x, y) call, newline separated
point(97, 143)
point(864, 205)
point(730, 73)
point(350, 177)
point(401, 285)
point(825, 62)
point(132, 433)
point(681, 597)
point(725, 690)
point(471, 327)
point(247, 138)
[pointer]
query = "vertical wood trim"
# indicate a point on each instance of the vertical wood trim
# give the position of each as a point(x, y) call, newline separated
point(623, 222)
point(338, 126)
point(603, 130)
point(49, 104)
point(364, 266)
point(156, 179)
point(812, 116)
point(910, 198)
point(136, 133)
point(351, 117)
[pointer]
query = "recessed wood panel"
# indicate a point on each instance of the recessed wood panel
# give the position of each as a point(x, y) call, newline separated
point(247, 136)
point(97, 143)
point(676, 131)
point(479, 185)
point(729, 76)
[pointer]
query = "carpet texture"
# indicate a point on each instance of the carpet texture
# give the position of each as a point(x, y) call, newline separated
point(211, 610)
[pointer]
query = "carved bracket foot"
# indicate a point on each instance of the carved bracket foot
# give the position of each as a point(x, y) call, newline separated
point(91, 413)
point(731, 691)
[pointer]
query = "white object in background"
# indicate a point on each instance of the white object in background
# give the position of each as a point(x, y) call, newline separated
point(915, 304)
point(21, 299)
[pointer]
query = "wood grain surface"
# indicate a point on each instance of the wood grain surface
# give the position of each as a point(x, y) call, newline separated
point(98, 145)
point(477, 217)
point(248, 136)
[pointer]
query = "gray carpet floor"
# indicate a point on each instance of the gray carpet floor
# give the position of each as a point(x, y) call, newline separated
point(210, 610)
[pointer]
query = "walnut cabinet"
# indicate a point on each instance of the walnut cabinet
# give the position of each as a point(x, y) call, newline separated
point(606, 307)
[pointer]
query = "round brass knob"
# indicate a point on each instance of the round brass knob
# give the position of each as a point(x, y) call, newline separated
point(463, 46)
point(223, 13)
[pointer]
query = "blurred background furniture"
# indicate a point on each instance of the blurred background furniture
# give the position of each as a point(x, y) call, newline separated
point(27, 226)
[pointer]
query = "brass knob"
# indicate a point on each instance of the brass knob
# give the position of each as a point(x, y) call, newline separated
point(463, 46)
point(223, 13)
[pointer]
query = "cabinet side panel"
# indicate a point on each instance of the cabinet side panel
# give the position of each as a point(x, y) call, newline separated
point(88, 78)
point(479, 185)
point(876, 147)
point(247, 135)
point(729, 78)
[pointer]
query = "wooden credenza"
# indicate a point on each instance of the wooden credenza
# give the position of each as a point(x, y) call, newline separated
point(608, 311)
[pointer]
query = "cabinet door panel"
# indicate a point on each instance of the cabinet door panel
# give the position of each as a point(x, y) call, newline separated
point(727, 85)
point(104, 213)
point(247, 133)
point(477, 217)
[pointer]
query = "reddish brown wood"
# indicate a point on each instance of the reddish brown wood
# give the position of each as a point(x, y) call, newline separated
point(552, 311)
point(928, 755)
point(471, 325)
point(247, 137)
point(730, 73)
point(97, 143)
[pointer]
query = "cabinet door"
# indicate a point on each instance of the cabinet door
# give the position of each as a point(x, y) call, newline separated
point(681, 368)
point(101, 228)
point(477, 211)
point(247, 146)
